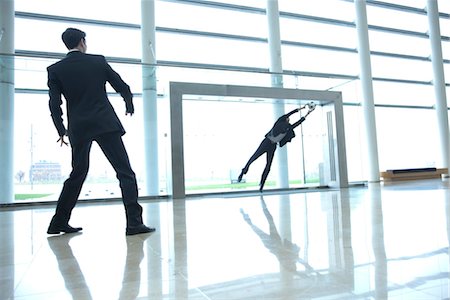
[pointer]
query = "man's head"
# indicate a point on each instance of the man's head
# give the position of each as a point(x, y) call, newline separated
point(73, 38)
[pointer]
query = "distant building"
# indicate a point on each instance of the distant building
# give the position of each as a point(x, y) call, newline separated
point(45, 171)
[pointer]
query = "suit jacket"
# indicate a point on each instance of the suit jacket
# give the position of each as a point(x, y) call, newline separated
point(282, 126)
point(82, 78)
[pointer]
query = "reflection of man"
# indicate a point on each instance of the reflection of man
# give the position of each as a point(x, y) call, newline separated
point(69, 267)
point(281, 133)
point(286, 252)
point(81, 78)
point(74, 279)
point(132, 273)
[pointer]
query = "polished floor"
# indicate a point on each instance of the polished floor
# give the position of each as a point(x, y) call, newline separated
point(373, 242)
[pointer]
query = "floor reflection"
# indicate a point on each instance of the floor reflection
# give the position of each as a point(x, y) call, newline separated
point(68, 266)
point(7, 255)
point(285, 251)
point(374, 242)
point(379, 251)
point(132, 273)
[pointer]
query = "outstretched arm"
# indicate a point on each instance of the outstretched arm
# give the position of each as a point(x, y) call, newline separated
point(299, 122)
point(311, 108)
point(294, 111)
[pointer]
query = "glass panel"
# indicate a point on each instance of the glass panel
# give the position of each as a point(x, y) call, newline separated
point(115, 10)
point(399, 68)
point(444, 6)
point(415, 149)
point(99, 39)
point(390, 93)
point(403, 94)
point(346, 86)
point(446, 50)
point(317, 33)
point(36, 148)
point(192, 17)
point(249, 3)
point(215, 154)
point(444, 25)
point(396, 19)
point(307, 150)
point(411, 3)
point(31, 73)
point(339, 10)
point(354, 143)
point(210, 50)
point(350, 91)
point(318, 60)
point(165, 75)
point(398, 43)
point(419, 136)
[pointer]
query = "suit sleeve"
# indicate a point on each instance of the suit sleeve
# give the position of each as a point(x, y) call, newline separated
point(290, 133)
point(55, 102)
point(118, 84)
point(291, 113)
point(298, 122)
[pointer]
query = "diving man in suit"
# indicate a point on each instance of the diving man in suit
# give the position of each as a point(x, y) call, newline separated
point(81, 79)
point(281, 133)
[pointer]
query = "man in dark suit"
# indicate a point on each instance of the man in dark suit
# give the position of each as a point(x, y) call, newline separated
point(281, 133)
point(81, 79)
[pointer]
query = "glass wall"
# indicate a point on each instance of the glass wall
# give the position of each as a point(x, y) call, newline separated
point(226, 43)
point(221, 134)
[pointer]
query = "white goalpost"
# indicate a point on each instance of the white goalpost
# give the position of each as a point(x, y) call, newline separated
point(335, 163)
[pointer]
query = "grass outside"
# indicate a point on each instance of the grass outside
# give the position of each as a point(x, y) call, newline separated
point(29, 196)
point(233, 186)
point(240, 185)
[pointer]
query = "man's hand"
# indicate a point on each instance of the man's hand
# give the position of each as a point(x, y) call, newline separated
point(129, 107)
point(311, 107)
point(62, 141)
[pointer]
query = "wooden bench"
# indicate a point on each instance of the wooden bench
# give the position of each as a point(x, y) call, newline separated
point(413, 174)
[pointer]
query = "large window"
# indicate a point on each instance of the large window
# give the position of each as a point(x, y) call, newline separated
point(225, 42)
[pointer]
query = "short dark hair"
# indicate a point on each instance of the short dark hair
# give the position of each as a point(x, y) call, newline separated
point(72, 37)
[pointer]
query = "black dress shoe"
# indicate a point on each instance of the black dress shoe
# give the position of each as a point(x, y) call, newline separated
point(54, 229)
point(139, 229)
point(243, 172)
point(240, 176)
